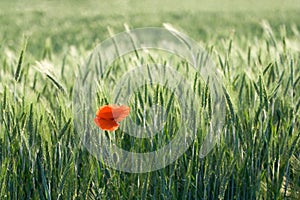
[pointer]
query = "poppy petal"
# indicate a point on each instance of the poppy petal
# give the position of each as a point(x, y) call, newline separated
point(106, 125)
point(120, 112)
point(105, 112)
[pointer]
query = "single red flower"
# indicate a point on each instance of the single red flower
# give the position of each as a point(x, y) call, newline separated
point(108, 116)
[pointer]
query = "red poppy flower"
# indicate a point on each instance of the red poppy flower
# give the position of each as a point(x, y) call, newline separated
point(108, 116)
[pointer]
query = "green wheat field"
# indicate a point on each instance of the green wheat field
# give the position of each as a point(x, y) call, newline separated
point(256, 46)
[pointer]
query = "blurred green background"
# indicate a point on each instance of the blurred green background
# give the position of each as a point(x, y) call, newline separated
point(85, 23)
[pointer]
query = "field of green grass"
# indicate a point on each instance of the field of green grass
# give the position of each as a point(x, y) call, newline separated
point(256, 46)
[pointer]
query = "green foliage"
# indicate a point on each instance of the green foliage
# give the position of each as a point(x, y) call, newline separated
point(258, 156)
